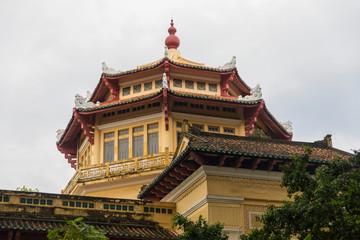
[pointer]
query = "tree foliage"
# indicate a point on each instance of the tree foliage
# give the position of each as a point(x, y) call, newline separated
point(25, 189)
point(76, 229)
point(324, 206)
point(199, 230)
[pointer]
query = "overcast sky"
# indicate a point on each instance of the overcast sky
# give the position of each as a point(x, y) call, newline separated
point(304, 54)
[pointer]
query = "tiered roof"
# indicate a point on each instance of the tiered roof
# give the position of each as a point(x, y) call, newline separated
point(109, 82)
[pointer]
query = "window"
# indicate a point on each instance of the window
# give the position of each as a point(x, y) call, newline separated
point(158, 84)
point(178, 83)
point(212, 87)
point(213, 129)
point(137, 88)
point(126, 91)
point(189, 84)
point(153, 143)
point(153, 138)
point(109, 146)
point(138, 141)
point(147, 86)
point(200, 86)
point(123, 144)
point(229, 130)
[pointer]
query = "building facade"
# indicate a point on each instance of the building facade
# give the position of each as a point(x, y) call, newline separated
point(170, 136)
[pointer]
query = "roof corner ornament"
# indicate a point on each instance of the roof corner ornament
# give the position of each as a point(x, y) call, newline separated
point(230, 64)
point(166, 54)
point(287, 126)
point(59, 134)
point(164, 81)
point(84, 102)
point(255, 94)
point(108, 70)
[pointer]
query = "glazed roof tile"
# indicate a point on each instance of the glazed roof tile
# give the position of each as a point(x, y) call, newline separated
point(161, 61)
point(224, 144)
point(121, 102)
point(260, 147)
point(111, 229)
point(212, 97)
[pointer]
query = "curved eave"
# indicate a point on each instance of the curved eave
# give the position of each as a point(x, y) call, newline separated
point(173, 163)
point(136, 70)
point(73, 126)
point(275, 126)
point(111, 105)
point(213, 98)
point(71, 129)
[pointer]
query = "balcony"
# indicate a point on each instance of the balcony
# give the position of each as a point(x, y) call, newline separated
point(118, 168)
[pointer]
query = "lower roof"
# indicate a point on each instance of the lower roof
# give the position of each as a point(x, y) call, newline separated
point(223, 150)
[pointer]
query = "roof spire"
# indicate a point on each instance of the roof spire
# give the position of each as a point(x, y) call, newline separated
point(172, 41)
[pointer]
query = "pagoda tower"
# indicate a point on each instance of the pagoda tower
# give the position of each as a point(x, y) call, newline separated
point(126, 132)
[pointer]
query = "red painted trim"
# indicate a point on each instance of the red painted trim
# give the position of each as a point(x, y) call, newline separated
point(119, 106)
point(239, 161)
point(255, 163)
point(271, 164)
point(268, 119)
point(86, 125)
point(224, 83)
point(252, 119)
point(113, 87)
point(166, 108)
point(197, 158)
point(222, 160)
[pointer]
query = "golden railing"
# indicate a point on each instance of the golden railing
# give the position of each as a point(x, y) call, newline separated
point(117, 168)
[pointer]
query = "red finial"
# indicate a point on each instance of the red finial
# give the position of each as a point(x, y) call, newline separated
point(172, 41)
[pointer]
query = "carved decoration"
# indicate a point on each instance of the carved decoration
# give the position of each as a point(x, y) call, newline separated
point(224, 83)
point(230, 64)
point(83, 102)
point(59, 134)
point(113, 87)
point(259, 133)
point(164, 81)
point(255, 94)
point(108, 70)
point(287, 126)
point(250, 122)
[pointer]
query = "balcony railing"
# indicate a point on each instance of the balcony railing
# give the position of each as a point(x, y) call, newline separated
point(117, 168)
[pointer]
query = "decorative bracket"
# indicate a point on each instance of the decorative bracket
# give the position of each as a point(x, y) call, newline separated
point(86, 126)
point(70, 154)
point(250, 122)
point(224, 83)
point(113, 87)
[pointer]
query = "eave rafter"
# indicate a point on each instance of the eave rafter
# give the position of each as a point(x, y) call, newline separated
point(86, 125)
point(198, 159)
point(271, 164)
point(113, 86)
point(225, 81)
point(252, 119)
point(238, 161)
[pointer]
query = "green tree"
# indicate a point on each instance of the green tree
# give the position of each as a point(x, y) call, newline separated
point(199, 230)
point(25, 189)
point(324, 206)
point(76, 230)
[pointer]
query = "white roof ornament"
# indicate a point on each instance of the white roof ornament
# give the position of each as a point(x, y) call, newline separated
point(82, 102)
point(166, 54)
point(287, 126)
point(230, 64)
point(108, 70)
point(164, 81)
point(255, 94)
point(59, 134)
